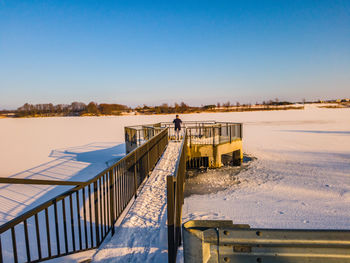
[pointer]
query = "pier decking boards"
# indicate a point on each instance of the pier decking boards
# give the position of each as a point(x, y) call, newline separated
point(142, 236)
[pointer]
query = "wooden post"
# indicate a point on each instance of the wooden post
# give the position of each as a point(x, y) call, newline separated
point(170, 214)
point(178, 205)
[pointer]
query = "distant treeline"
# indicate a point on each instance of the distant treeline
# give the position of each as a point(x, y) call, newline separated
point(226, 107)
point(95, 109)
point(165, 108)
point(74, 109)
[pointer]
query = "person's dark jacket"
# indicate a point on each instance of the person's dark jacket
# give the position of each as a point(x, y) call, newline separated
point(177, 123)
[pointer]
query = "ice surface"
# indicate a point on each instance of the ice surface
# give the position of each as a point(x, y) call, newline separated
point(56, 148)
point(301, 178)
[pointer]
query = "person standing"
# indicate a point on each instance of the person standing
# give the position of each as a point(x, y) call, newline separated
point(177, 123)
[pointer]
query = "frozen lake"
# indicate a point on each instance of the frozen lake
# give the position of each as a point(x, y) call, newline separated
point(300, 179)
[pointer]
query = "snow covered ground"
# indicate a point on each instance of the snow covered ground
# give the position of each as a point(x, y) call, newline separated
point(61, 148)
point(142, 236)
point(300, 179)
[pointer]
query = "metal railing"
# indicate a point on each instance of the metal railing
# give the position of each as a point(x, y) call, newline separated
point(185, 125)
point(82, 217)
point(215, 134)
point(222, 241)
point(137, 135)
point(175, 200)
point(208, 132)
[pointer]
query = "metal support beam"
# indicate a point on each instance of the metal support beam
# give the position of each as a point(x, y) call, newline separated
point(222, 241)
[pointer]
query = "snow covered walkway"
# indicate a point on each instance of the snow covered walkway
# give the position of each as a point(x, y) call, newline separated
point(142, 236)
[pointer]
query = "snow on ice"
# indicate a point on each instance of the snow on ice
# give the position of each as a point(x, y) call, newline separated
point(299, 176)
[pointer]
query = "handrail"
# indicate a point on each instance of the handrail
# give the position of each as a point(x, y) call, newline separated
point(175, 199)
point(182, 149)
point(80, 218)
point(37, 181)
point(209, 133)
point(136, 135)
point(59, 197)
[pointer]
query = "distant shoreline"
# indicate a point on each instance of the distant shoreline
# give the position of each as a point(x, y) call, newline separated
point(133, 113)
point(148, 112)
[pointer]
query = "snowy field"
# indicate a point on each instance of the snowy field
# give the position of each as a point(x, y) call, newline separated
point(299, 179)
point(60, 148)
point(303, 163)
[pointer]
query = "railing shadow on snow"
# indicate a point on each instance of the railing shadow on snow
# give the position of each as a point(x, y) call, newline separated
point(73, 164)
point(80, 218)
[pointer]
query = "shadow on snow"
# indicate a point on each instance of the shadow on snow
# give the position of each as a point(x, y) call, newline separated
point(70, 164)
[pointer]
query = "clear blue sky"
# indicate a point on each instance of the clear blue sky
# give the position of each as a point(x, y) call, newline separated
point(136, 52)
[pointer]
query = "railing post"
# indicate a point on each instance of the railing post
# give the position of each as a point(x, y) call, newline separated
point(96, 214)
point(1, 259)
point(14, 244)
point(170, 214)
point(148, 163)
point(56, 228)
point(138, 137)
point(213, 135)
point(178, 204)
point(135, 175)
point(158, 152)
point(167, 137)
point(226, 129)
point(111, 198)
